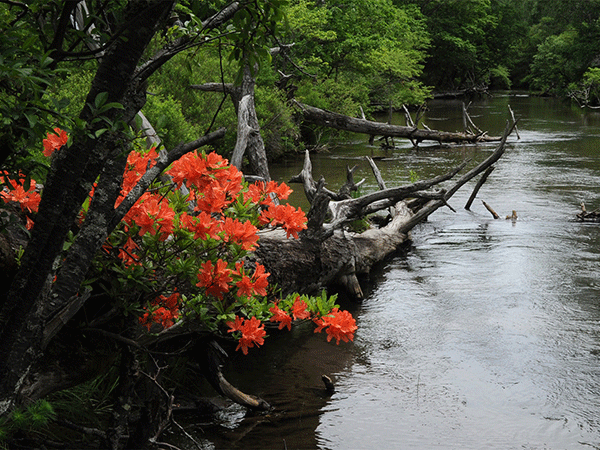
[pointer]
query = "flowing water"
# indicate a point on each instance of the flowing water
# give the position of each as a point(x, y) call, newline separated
point(482, 334)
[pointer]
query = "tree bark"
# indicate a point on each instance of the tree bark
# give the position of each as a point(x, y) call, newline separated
point(249, 141)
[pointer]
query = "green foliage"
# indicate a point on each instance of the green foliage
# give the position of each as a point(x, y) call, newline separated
point(165, 113)
point(279, 130)
point(500, 77)
point(32, 419)
point(181, 113)
point(553, 68)
point(71, 90)
point(459, 54)
point(591, 79)
point(372, 43)
point(25, 75)
point(89, 403)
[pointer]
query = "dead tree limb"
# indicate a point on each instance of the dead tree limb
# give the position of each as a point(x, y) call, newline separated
point(492, 212)
point(480, 183)
point(342, 122)
point(512, 115)
point(468, 122)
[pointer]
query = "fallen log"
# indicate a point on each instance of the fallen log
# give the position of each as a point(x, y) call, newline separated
point(329, 254)
point(417, 135)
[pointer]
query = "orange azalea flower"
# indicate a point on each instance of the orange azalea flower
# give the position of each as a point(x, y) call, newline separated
point(137, 164)
point(190, 168)
point(127, 253)
point(245, 287)
point(256, 194)
point(214, 200)
point(166, 313)
point(54, 141)
point(216, 161)
point(281, 190)
point(279, 315)
point(340, 325)
point(291, 219)
point(209, 175)
point(253, 332)
point(242, 233)
point(260, 192)
point(299, 309)
point(29, 199)
point(260, 280)
point(203, 226)
point(151, 214)
point(237, 325)
point(255, 285)
point(215, 279)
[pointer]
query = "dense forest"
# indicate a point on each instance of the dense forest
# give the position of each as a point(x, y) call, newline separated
point(126, 254)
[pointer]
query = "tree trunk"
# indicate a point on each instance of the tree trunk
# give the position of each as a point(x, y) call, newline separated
point(249, 141)
point(74, 170)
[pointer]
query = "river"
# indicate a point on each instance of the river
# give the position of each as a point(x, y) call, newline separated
point(482, 334)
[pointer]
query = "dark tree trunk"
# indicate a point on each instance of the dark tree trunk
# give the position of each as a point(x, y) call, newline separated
point(74, 170)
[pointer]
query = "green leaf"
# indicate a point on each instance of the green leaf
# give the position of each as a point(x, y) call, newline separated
point(100, 99)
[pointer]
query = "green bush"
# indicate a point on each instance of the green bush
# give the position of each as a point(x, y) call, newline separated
point(279, 131)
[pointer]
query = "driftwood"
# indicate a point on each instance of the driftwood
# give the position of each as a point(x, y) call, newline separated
point(492, 212)
point(417, 135)
point(480, 183)
point(328, 253)
point(588, 216)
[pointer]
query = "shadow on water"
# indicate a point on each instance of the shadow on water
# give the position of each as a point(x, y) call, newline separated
point(486, 334)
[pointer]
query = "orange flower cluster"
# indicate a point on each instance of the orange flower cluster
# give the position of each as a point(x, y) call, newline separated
point(279, 315)
point(292, 220)
point(199, 229)
point(253, 332)
point(340, 325)
point(54, 141)
point(150, 213)
point(254, 285)
point(262, 193)
point(215, 278)
point(28, 199)
point(213, 184)
point(162, 310)
point(299, 312)
point(137, 164)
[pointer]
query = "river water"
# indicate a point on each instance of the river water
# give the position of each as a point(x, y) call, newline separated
point(481, 334)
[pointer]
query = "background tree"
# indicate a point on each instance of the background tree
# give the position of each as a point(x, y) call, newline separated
point(360, 52)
